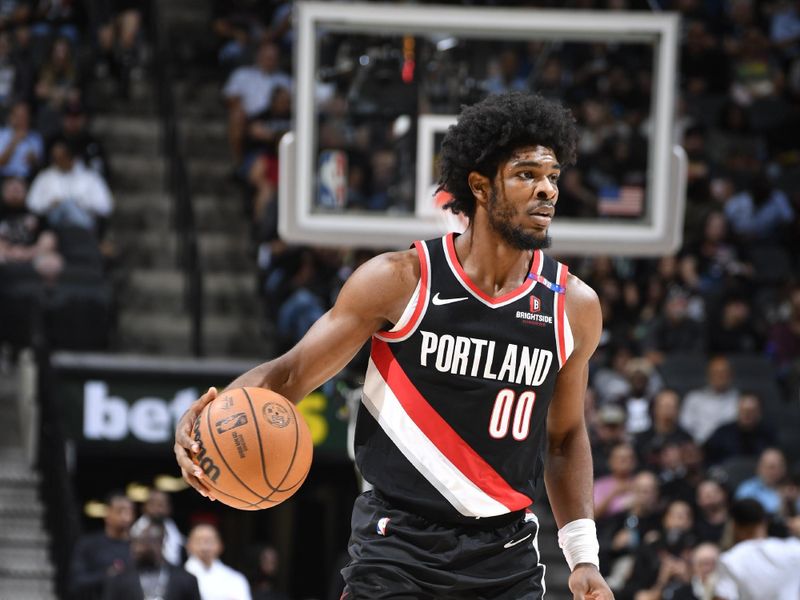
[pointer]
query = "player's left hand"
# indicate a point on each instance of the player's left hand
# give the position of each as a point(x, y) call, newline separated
point(586, 583)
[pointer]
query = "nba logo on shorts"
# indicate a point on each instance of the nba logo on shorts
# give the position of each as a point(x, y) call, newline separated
point(383, 523)
point(535, 304)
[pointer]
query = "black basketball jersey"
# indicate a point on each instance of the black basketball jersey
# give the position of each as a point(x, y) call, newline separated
point(453, 416)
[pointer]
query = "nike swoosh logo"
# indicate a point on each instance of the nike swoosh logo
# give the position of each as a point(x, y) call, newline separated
point(515, 542)
point(440, 301)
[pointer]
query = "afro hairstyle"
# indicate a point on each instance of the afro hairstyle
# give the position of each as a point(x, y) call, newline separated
point(488, 133)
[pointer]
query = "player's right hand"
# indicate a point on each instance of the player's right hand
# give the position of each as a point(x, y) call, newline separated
point(185, 447)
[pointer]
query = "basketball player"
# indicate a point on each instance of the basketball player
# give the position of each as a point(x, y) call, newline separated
point(474, 391)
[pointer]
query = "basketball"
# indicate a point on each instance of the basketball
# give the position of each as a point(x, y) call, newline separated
point(255, 448)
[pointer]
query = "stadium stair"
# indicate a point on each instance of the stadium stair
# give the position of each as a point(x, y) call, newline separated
point(233, 320)
point(152, 317)
point(26, 572)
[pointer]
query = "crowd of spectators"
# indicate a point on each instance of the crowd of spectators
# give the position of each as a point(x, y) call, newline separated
point(55, 201)
point(727, 290)
point(669, 460)
point(150, 554)
point(666, 479)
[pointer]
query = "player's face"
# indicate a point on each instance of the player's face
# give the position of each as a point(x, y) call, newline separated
point(523, 197)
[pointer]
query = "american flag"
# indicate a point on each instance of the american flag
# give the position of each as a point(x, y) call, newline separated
point(625, 201)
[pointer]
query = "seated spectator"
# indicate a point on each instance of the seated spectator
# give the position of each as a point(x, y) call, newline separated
point(297, 284)
point(784, 30)
point(60, 18)
point(734, 332)
point(704, 566)
point(148, 574)
point(663, 430)
point(265, 581)
point(280, 28)
point(662, 563)
point(216, 580)
point(85, 147)
point(757, 566)
point(25, 243)
point(69, 195)
point(10, 82)
point(578, 197)
point(14, 14)
point(675, 274)
point(621, 535)
point(790, 498)
point(716, 258)
point(264, 131)
point(613, 493)
point(100, 555)
point(674, 474)
point(613, 382)
point(765, 486)
point(25, 61)
point(158, 507)
point(57, 85)
point(712, 511)
point(707, 408)
point(674, 330)
point(641, 375)
point(784, 338)
point(609, 381)
point(733, 146)
point(608, 431)
point(236, 24)
point(21, 148)
point(704, 66)
point(748, 435)
point(118, 40)
point(756, 75)
point(249, 91)
point(759, 213)
point(504, 74)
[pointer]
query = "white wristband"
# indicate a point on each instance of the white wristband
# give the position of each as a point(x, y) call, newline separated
point(578, 540)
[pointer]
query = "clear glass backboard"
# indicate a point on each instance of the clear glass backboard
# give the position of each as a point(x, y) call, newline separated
point(378, 85)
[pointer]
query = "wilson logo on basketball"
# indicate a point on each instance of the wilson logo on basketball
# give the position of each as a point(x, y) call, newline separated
point(204, 461)
point(228, 402)
point(231, 422)
point(276, 415)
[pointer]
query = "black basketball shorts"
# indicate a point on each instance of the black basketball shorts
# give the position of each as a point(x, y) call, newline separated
point(399, 555)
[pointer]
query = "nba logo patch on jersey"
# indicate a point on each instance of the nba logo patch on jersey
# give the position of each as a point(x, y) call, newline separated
point(383, 523)
point(535, 304)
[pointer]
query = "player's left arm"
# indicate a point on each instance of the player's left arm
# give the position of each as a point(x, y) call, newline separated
point(568, 465)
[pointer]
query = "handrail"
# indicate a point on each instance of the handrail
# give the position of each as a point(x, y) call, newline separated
point(177, 180)
point(61, 510)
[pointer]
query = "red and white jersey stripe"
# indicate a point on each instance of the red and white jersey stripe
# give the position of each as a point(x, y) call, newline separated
point(455, 399)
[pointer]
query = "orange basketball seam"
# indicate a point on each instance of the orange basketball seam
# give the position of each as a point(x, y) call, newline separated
point(242, 500)
point(260, 444)
point(294, 453)
point(224, 460)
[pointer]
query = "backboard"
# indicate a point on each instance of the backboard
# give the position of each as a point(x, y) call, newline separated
point(372, 101)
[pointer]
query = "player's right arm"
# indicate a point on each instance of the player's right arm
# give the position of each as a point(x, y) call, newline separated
point(372, 298)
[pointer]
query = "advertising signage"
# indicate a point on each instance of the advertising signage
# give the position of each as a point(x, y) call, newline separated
point(129, 405)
